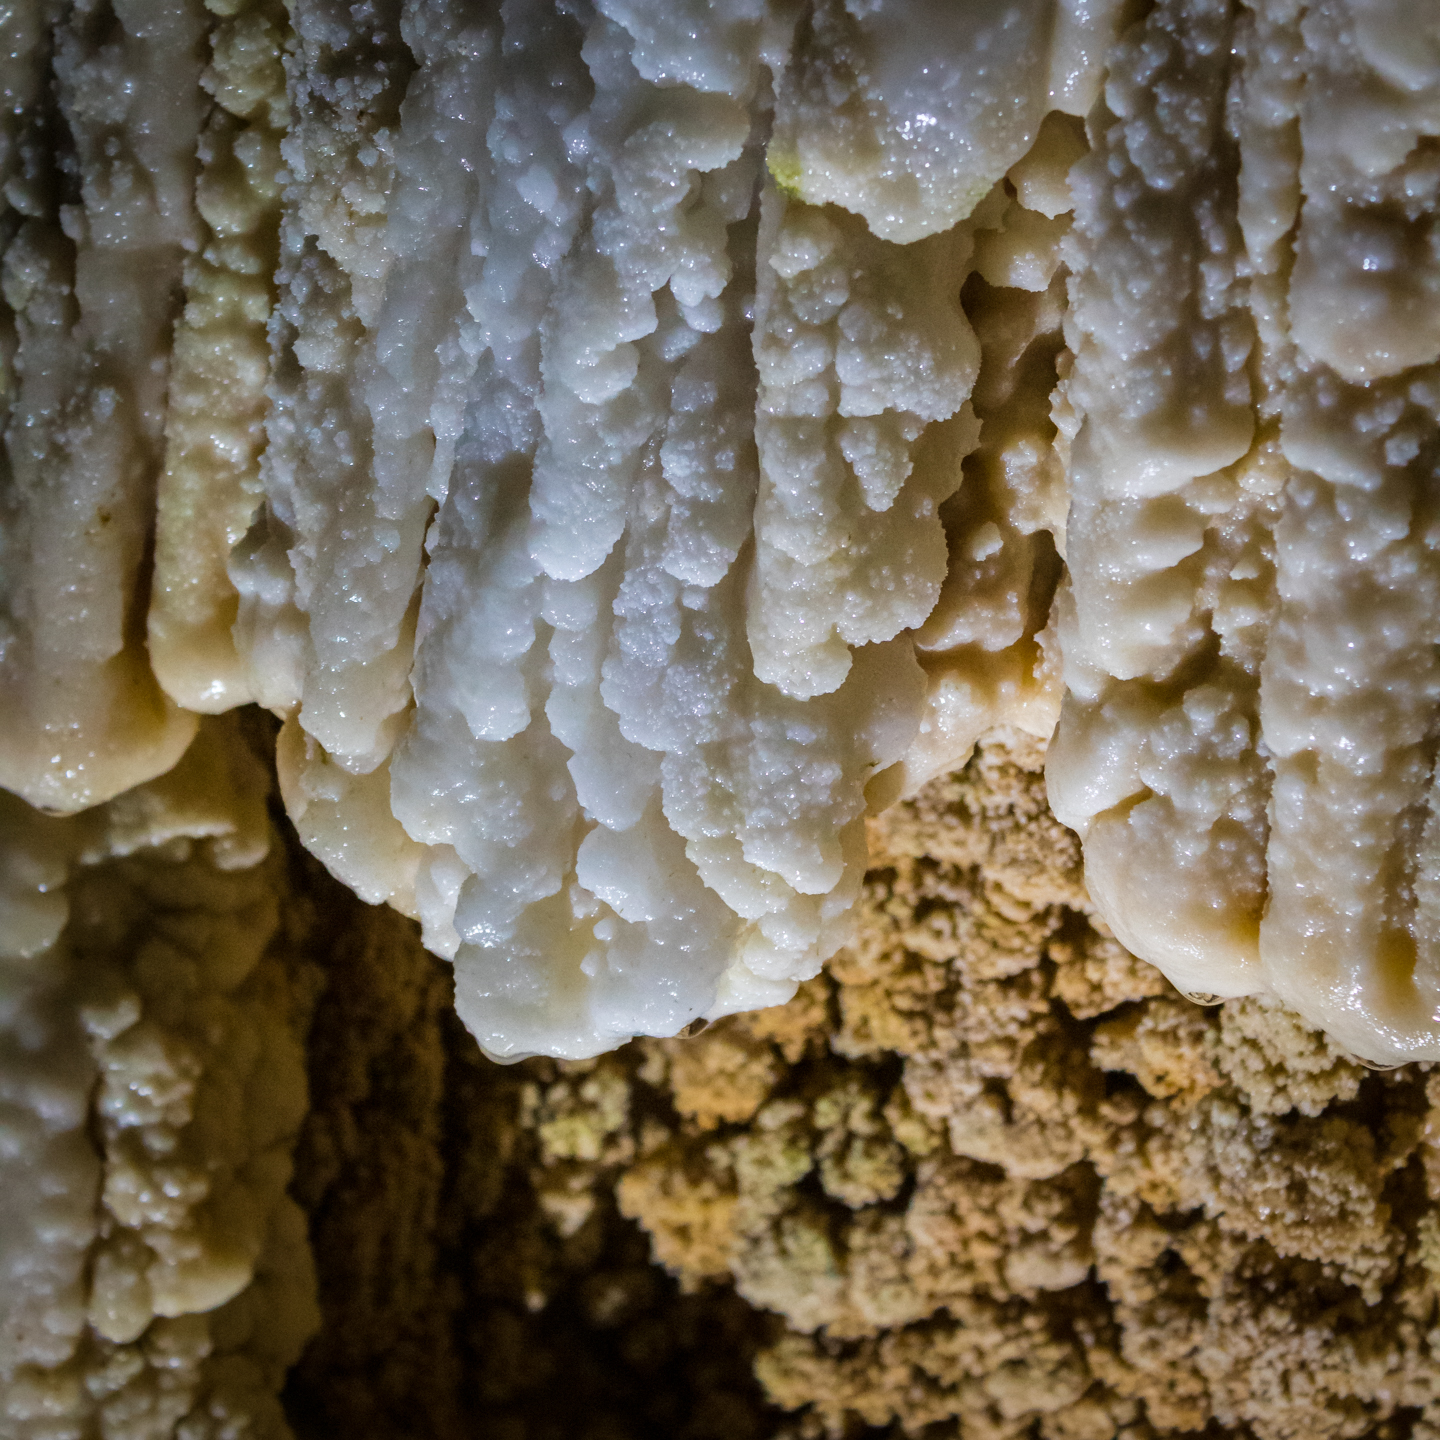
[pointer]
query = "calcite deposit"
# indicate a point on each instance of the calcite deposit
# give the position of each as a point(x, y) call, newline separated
point(676, 441)
point(155, 1275)
point(628, 446)
point(1251, 683)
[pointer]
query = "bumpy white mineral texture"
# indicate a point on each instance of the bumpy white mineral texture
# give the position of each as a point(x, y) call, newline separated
point(622, 439)
point(153, 1271)
point(1248, 741)
point(604, 486)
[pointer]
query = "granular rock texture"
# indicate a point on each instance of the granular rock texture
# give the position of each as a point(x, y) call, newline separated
point(474, 1268)
point(987, 1176)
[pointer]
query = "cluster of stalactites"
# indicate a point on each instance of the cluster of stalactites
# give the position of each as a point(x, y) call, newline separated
point(629, 441)
point(575, 482)
point(1250, 621)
